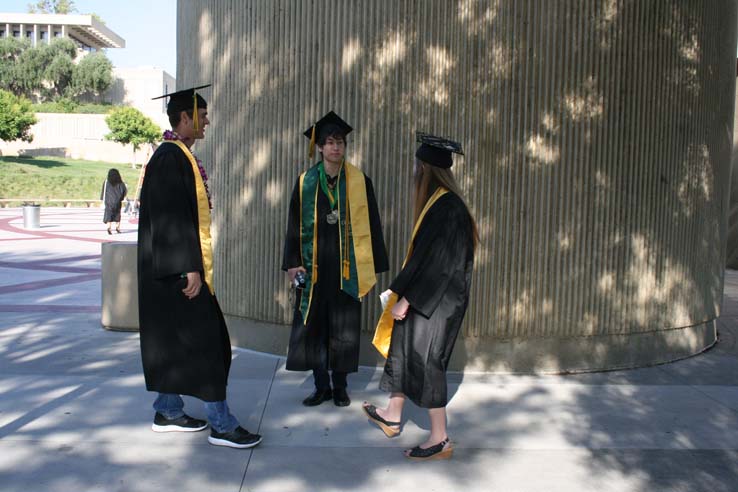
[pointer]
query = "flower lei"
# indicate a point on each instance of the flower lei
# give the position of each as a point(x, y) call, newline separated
point(170, 135)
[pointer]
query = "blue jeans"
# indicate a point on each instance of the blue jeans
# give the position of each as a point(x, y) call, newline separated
point(218, 415)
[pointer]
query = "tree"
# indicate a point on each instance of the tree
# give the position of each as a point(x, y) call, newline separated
point(48, 71)
point(92, 75)
point(10, 51)
point(52, 7)
point(29, 71)
point(130, 126)
point(60, 68)
point(16, 117)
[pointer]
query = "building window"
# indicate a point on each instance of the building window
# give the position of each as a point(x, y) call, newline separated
point(43, 34)
point(29, 34)
point(2, 33)
point(16, 34)
point(57, 34)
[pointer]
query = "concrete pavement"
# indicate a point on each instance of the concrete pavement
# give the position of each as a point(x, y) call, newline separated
point(75, 416)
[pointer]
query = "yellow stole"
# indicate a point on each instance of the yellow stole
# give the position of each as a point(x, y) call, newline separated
point(360, 230)
point(383, 333)
point(203, 218)
point(357, 257)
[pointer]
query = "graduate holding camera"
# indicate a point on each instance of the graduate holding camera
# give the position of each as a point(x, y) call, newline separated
point(333, 250)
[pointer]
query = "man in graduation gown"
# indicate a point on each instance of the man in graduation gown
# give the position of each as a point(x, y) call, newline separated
point(334, 240)
point(427, 300)
point(185, 346)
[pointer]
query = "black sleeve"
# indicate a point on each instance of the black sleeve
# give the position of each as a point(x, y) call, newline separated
point(292, 256)
point(439, 250)
point(379, 251)
point(171, 196)
point(102, 191)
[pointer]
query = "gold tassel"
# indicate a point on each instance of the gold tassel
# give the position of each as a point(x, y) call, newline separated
point(194, 111)
point(311, 149)
point(346, 271)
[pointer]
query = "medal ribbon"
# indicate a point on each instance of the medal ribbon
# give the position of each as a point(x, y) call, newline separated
point(324, 184)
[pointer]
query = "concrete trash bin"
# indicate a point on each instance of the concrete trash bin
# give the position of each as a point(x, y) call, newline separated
point(119, 286)
point(31, 216)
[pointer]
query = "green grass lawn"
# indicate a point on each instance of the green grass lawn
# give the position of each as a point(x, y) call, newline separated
point(56, 178)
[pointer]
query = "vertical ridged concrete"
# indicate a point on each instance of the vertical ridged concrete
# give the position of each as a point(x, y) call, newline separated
point(598, 143)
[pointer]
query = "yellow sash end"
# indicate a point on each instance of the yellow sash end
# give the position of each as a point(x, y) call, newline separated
point(383, 333)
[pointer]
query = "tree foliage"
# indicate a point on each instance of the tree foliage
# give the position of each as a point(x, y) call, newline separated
point(130, 126)
point(48, 71)
point(52, 7)
point(10, 51)
point(92, 75)
point(16, 117)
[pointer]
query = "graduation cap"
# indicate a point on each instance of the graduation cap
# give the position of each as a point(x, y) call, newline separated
point(328, 125)
point(436, 151)
point(185, 100)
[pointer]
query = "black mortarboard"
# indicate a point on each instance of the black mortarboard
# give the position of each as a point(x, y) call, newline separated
point(324, 127)
point(436, 151)
point(184, 100)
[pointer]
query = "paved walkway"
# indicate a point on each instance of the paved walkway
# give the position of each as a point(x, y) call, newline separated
point(74, 414)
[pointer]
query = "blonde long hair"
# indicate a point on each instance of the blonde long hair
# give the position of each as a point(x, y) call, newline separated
point(427, 179)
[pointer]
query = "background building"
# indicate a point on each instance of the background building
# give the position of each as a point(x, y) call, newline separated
point(81, 136)
point(598, 139)
point(87, 32)
point(136, 86)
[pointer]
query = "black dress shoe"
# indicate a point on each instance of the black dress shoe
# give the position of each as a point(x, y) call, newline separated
point(340, 397)
point(318, 397)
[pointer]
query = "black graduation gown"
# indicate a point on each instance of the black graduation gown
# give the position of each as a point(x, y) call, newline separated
point(185, 346)
point(112, 196)
point(436, 282)
point(330, 339)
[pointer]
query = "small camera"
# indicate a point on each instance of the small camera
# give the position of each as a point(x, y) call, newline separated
point(299, 280)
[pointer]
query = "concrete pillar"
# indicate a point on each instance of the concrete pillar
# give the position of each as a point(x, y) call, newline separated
point(597, 137)
point(119, 286)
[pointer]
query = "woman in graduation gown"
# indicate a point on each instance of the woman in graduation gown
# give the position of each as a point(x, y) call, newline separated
point(427, 300)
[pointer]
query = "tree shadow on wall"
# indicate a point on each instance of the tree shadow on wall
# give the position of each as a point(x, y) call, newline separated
point(598, 178)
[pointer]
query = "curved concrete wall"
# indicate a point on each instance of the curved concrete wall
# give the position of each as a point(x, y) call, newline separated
point(598, 142)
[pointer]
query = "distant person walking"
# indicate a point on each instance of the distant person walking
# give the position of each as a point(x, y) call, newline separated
point(112, 194)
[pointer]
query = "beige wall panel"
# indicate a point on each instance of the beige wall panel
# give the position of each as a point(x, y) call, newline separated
point(598, 140)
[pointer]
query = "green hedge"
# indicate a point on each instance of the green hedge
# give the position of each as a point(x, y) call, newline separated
point(69, 106)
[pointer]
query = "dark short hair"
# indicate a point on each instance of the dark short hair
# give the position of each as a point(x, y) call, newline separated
point(176, 118)
point(331, 130)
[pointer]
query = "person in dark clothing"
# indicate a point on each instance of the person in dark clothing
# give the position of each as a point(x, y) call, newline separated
point(185, 347)
point(427, 300)
point(334, 242)
point(112, 194)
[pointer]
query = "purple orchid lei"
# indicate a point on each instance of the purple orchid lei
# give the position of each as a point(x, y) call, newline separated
point(170, 135)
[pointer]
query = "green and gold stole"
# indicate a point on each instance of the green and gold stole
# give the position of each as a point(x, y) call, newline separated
point(356, 257)
point(203, 217)
point(383, 333)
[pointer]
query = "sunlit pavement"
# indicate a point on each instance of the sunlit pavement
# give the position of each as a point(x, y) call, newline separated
point(75, 416)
